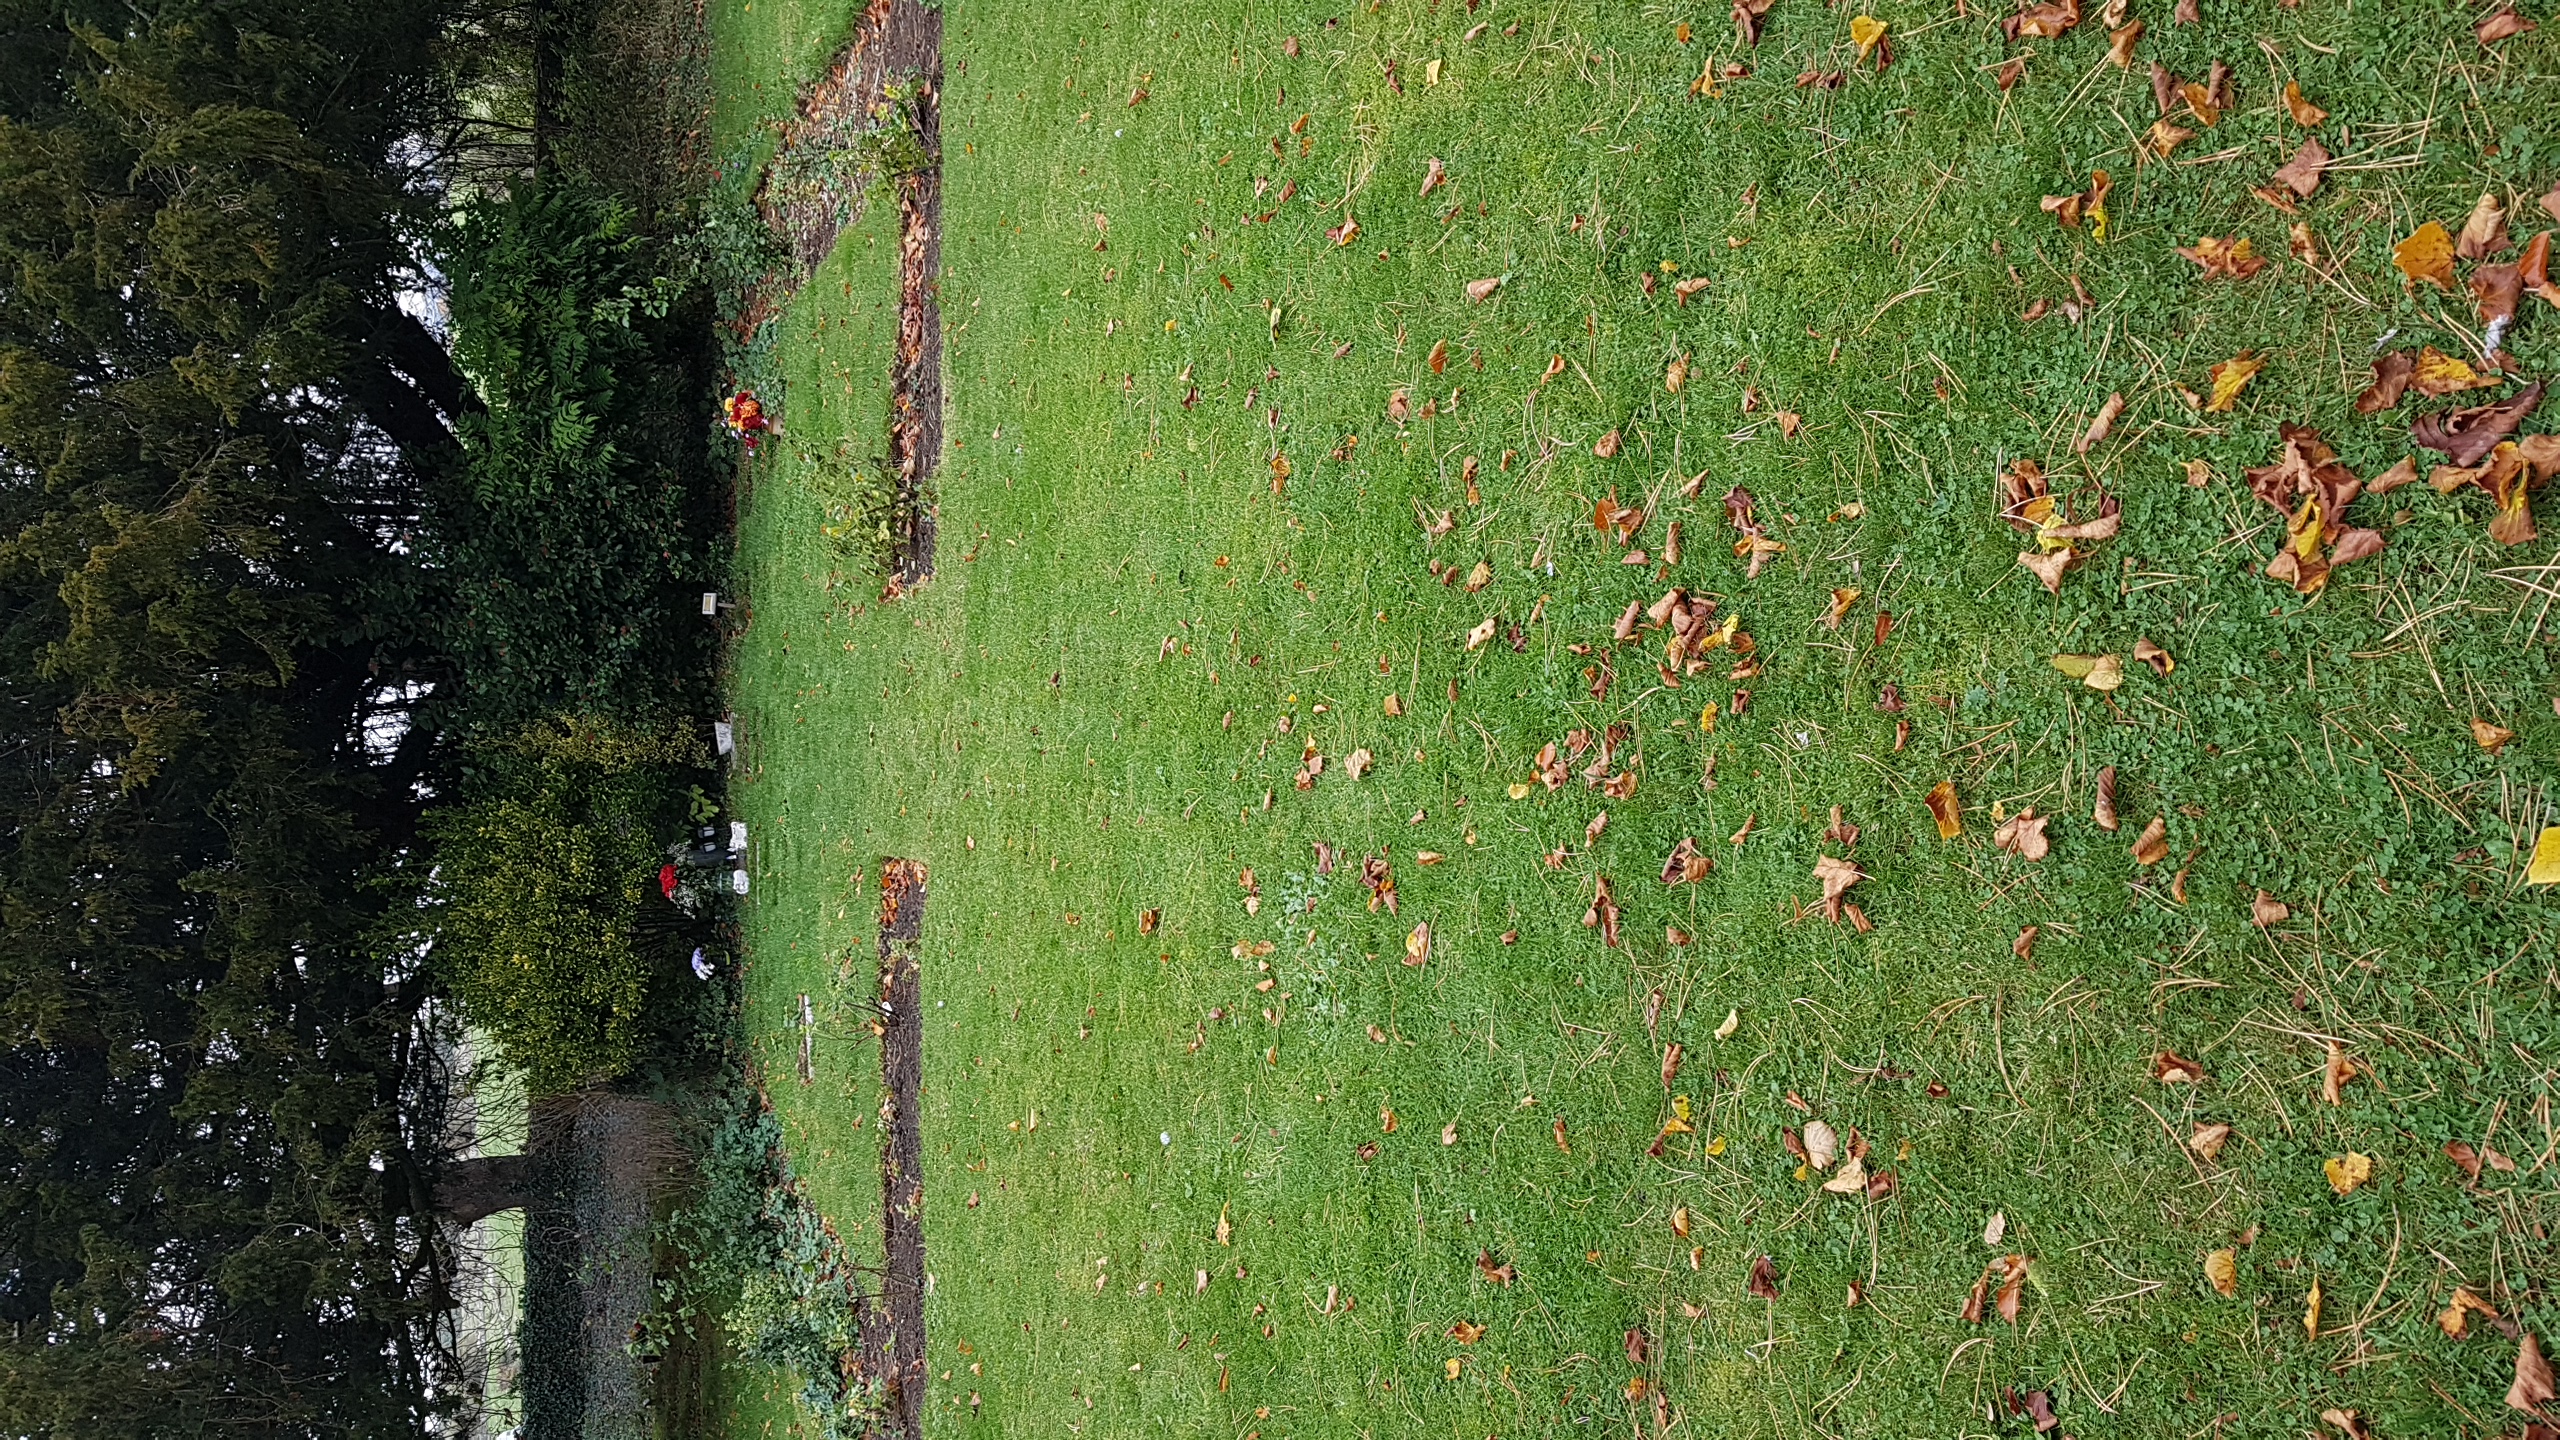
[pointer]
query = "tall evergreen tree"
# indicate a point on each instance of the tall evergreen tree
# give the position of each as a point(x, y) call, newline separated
point(217, 1117)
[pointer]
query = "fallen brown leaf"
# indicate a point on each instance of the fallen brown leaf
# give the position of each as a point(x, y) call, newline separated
point(2533, 1386)
point(2267, 910)
point(2504, 24)
point(2301, 174)
point(2336, 1071)
point(2041, 20)
point(2392, 372)
point(2346, 1172)
point(2456, 1318)
point(2152, 845)
point(2023, 835)
point(2169, 1068)
point(2305, 114)
point(2467, 436)
point(2491, 738)
point(1501, 1273)
point(2101, 426)
point(1764, 1278)
point(2207, 1140)
point(2104, 813)
point(1836, 877)
point(1944, 809)
point(2484, 230)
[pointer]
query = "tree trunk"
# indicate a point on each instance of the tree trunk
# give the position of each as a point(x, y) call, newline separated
point(474, 1189)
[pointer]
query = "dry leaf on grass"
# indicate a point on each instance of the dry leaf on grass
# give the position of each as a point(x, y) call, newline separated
point(2491, 738)
point(2301, 174)
point(2335, 1072)
point(2346, 1172)
point(2426, 255)
point(1836, 876)
point(2222, 1268)
point(2104, 812)
point(2467, 436)
point(2308, 486)
point(2102, 426)
point(2098, 672)
point(2305, 114)
point(2152, 845)
point(2311, 1312)
point(1764, 1278)
point(2502, 24)
point(2437, 374)
point(2484, 230)
point(2089, 205)
point(2041, 20)
point(1944, 809)
point(2023, 835)
point(2392, 372)
point(2266, 910)
point(2231, 257)
point(2207, 1140)
point(2456, 1319)
point(1500, 1273)
point(2533, 1386)
point(2170, 1068)
point(2230, 378)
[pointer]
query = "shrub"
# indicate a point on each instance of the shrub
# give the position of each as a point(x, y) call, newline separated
point(544, 903)
point(575, 532)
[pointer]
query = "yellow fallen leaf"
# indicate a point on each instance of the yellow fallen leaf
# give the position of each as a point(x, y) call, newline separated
point(1716, 1146)
point(2426, 255)
point(2311, 1313)
point(1707, 718)
point(1866, 32)
point(1520, 791)
point(2437, 373)
point(1451, 1365)
point(2545, 868)
point(2098, 672)
point(1944, 809)
point(1733, 1017)
point(2230, 378)
point(1417, 946)
point(2222, 1267)
point(2347, 1171)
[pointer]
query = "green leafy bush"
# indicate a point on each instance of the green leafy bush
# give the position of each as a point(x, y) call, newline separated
point(574, 534)
point(545, 888)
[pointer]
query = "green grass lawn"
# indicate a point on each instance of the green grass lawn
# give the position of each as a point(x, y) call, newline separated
point(1155, 1206)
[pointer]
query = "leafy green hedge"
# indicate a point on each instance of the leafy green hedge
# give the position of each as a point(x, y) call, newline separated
point(545, 905)
point(577, 532)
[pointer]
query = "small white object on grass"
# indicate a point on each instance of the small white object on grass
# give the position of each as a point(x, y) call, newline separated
point(1164, 1137)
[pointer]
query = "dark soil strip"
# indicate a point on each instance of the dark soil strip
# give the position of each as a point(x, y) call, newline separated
point(896, 41)
point(914, 45)
point(893, 1347)
point(833, 110)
